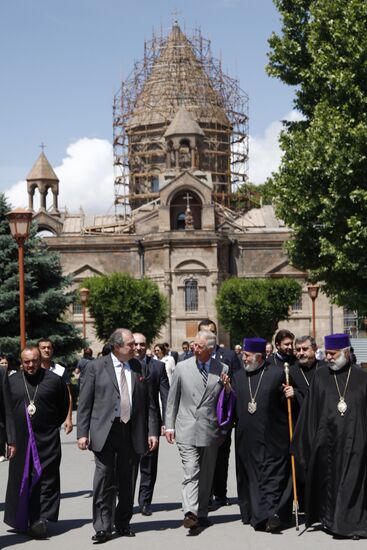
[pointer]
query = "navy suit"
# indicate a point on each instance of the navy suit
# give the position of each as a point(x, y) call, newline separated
point(156, 375)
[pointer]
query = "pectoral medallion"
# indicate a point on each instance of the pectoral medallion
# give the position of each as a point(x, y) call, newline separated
point(342, 406)
point(31, 408)
point(252, 406)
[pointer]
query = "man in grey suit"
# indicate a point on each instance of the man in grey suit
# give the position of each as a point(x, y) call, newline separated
point(191, 420)
point(118, 421)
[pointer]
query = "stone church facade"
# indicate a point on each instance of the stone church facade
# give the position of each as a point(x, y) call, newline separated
point(178, 163)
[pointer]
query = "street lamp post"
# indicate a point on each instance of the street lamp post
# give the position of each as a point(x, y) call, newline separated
point(20, 222)
point(313, 292)
point(83, 294)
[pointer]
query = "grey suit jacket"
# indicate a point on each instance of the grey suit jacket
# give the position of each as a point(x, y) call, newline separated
point(96, 409)
point(191, 407)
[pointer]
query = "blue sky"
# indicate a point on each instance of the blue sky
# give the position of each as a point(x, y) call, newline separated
point(62, 61)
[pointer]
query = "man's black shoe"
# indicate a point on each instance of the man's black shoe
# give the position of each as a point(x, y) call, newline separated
point(273, 524)
point(190, 520)
point(38, 529)
point(125, 532)
point(146, 510)
point(222, 501)
point(101, 536)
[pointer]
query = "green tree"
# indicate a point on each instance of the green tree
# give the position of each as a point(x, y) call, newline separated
point(254, 307)
point(46, 295)
point(321, 186)
point(119, 300)
point(250, 195)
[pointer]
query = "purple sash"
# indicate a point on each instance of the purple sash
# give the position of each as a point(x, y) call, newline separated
point(225, 407)
point(21, 519)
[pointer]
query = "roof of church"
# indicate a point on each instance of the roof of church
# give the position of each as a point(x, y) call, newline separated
point(177, 77)
point(42, 170)
point(260, 218)
point(183, 124)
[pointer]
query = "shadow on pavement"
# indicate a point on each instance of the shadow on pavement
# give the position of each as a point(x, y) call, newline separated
point(87, 494)
point(54, 529)
point(161, 507)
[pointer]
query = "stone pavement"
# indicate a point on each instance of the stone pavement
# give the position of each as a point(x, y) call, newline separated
point(163, 530)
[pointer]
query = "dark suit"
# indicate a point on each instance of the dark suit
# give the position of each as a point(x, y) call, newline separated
point(185, 355)
point(117, 446)
point(156, 374)
point(230, 358)
point(7, 426)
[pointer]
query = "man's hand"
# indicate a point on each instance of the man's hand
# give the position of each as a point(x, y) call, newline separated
point(68, 426)
point(226, 381)
point(10, 452)
point(288, 391)
point(170, 436)
point(152, 442)
point(83, 443)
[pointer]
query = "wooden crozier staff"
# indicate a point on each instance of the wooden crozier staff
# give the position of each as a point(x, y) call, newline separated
point(293, 464)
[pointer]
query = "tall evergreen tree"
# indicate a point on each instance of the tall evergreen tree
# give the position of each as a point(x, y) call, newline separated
point(321, 187)
point(46, 295)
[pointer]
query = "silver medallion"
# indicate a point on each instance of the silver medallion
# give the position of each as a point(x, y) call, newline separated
point(31, 408)
point(342, 406)
point(252, 406)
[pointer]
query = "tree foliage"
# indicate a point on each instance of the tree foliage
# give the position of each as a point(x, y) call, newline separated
point(46, 295)
point(321, 186)
point(250, 195)
point(118, 300)
point(254, 307)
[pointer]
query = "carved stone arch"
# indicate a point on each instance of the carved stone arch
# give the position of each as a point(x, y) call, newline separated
point(179, 211)
point(187, 188)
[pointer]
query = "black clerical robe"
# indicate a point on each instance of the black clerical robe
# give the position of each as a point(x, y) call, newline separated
point(332, 450)
point(262, 447)
point(52, 402)
point(301, 378)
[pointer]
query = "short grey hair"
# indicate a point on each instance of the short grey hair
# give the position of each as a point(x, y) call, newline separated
point(210, 337)
point(302, 339)
point(117, 337)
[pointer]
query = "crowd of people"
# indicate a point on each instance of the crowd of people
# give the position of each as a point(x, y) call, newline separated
point(299, 418)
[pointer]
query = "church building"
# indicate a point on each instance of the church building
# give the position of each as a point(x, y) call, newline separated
point(180, 138)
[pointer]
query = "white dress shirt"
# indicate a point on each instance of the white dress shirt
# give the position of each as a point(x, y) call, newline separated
point(118, 366)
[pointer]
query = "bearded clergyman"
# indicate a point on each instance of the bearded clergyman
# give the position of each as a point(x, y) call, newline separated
point(262, 442)
point(40, 404)
point(330, 443)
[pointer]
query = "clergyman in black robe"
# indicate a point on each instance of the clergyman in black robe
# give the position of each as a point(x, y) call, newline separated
point(330, 443)
point(40, 405)
point(303, 370)
point(262, 441)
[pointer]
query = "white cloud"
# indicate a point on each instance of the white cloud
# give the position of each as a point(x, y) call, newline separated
point(265, 153)
point(86, 179)
point(86, 173)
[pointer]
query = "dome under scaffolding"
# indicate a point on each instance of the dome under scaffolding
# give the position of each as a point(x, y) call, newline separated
point(178, 80)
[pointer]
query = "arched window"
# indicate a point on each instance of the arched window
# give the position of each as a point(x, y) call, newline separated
point(191, 295)
point(154, 184)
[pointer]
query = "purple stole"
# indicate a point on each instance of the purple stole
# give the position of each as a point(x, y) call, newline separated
point(26, 488)
point(225, 407)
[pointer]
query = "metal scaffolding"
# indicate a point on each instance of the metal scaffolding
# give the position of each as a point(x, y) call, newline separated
point(175, 71)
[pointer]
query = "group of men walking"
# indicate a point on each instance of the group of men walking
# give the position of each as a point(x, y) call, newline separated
point(126, 403)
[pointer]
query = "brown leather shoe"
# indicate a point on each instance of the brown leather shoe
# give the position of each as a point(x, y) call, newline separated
point(190, 520)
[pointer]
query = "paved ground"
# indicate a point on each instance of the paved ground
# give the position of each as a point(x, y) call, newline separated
point(163, 529)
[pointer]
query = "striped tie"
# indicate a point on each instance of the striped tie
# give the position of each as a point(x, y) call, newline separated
point(125, 412)
point(203, 372)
